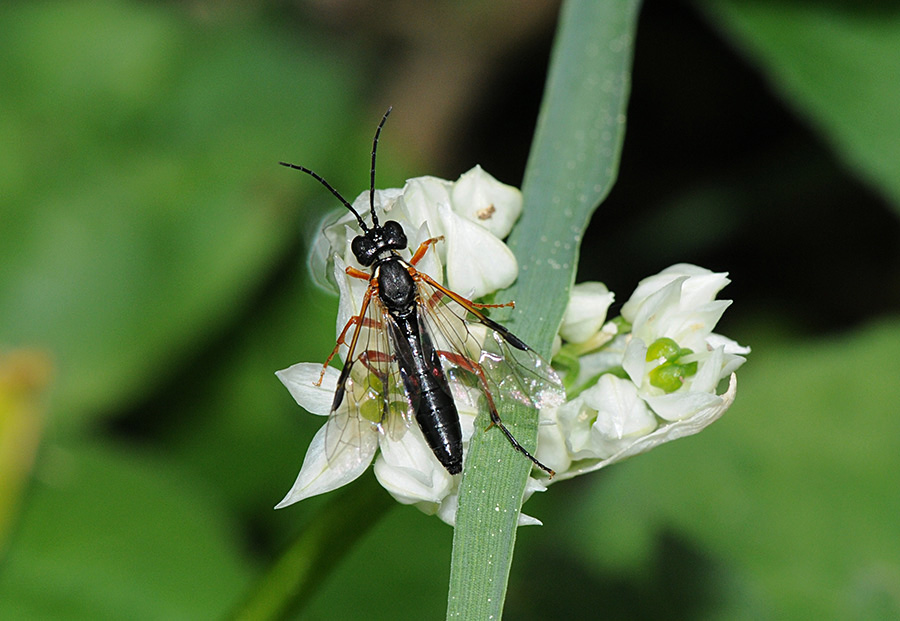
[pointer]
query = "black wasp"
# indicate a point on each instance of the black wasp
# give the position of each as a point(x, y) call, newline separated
point(423, 349)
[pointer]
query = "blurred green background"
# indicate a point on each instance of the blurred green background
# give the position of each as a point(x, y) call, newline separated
point(153, 277)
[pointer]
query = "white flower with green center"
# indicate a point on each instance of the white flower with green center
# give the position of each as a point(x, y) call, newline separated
point(644, 379)
point(673, 357)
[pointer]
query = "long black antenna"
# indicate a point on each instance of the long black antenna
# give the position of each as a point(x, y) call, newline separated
point(372, 177)
point(331, 189)
point(318, 178)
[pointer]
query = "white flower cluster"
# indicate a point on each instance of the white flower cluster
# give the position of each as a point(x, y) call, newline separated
point(633, 383)
point(647, 378)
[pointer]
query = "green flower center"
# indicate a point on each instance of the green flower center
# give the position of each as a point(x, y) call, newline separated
point(670, 375)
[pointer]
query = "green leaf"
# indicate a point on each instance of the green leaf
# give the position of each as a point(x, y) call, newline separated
point(140, 198)
point(837, 64)
point(573, 163)
point(108, 534)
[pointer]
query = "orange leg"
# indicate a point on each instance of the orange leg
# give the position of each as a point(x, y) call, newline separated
point(355, 320)
point(352, 271)
point(475, 369)
point(368, 357)
point(423, 248)
point(510, 304)
point(419, 254)
point(438, 295)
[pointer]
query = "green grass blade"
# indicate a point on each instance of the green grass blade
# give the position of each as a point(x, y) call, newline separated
point(573, 163)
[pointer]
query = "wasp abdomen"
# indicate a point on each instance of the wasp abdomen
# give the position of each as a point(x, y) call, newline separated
point(439, 422)
point(427, 386)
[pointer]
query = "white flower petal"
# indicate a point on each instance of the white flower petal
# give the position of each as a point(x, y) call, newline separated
point(527, 520)
point(557, 345)
point(635, 361)
point(385, 201)
point(574, 419)
point(420, 199)
point(532, 486)
point(709, 372)
point(655, 312)
point(477, 262)
point(680, 405)
point(586, 311)
point(731, 347)
point(689, 328)
point(703, 285)
point(479, 197)
point(621, 415)
point(731, 364)
point(319, 474)
point(329, 236)
point(446, 511)
point(408, 469)
point(664, 313)
point(467, 424)
point(300, 380)
point(611, 356)
point(552, 449)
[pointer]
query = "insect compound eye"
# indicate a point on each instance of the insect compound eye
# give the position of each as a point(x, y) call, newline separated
point(394, 236)
point(363, 249)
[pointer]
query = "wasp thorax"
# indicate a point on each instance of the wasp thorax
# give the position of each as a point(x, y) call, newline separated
point(368, 247)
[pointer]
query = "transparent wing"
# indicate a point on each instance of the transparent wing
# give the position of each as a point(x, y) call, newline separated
point(370, 397)
point(484, 357)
